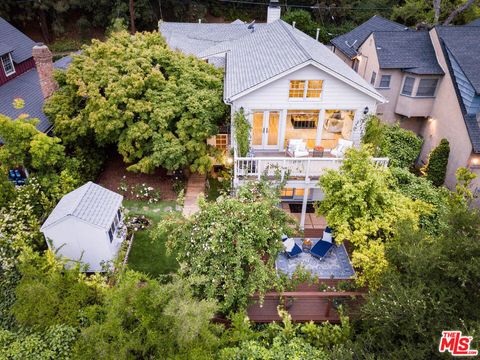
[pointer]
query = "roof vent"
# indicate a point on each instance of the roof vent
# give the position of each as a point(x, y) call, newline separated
point(251, 26)
point(273, 11)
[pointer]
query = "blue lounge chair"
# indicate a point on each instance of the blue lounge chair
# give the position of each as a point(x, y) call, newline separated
point(296, 250)
point(323, 247)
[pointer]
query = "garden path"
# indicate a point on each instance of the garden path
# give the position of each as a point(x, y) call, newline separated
point(195, 186)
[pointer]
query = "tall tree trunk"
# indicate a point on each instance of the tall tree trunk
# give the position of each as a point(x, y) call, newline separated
point(132, 16)
point(436, 8)
point(458, 11)
point(42, 19)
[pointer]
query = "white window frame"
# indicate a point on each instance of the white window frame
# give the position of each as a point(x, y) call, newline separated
point(11, 63)
point(389, 81)
point(305, 90)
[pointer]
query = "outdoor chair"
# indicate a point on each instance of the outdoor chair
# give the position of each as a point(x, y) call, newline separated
point(342, 146)
point(323, 247)
point(291, 247)
point(297, 148)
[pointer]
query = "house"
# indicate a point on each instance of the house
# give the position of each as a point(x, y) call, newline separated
point(26, 72)
point(86, 226)
point(430, 79)
point(296, 94)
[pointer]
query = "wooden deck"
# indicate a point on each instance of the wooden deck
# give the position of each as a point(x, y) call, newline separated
point(304, 306)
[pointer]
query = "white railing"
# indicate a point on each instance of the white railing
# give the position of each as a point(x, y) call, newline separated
point(303, 169)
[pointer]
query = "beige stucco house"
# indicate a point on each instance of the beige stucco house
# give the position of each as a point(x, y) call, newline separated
point(431, 80)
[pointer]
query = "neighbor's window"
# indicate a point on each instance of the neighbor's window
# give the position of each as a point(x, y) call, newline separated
point(408, 85)
point(314, 89)
point(297, 88)
point(427, 87)
point(287, 192)
point(221, 141)
point(7, 64)
point(374, 77)
point(385, 81)
point(305, 88)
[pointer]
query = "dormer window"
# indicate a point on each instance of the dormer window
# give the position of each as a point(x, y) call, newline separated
point(7, 63)
point(305, 89)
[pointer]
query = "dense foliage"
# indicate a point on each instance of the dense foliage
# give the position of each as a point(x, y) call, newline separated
point(157, 106)
point(230, 246)
point(241, 128)
point(436, 167)
point(401, 146)
point(432, 285)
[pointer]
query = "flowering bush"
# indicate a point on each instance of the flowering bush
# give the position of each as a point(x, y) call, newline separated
point(148, 193)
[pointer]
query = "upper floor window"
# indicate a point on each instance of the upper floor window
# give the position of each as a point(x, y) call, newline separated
point(221, 141)
point(373, 78)
point(427, 87)
point(385, 81)
point(7, 64)
point(305, 88)
point(408, 86)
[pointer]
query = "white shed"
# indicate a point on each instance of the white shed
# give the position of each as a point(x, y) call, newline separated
point(86, 226)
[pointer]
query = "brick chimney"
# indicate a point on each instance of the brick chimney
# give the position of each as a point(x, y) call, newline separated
point(273, 11)
point(44, 63)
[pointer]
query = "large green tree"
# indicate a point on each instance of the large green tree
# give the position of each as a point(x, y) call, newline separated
point(157, 106)
point(231, 245)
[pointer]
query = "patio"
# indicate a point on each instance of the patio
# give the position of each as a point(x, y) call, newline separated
point(335, 265)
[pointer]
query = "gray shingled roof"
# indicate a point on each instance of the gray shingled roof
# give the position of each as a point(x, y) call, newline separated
point(474, 22)
point(349, 43)
point(411, 51)
point(473, 129)
point(90, 202)
point(194, 38)
point(259, 55)
point(13, 38)
point(5, 48)
point(464, 44)
point(27, 87)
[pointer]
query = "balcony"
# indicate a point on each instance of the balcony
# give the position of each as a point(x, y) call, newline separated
point(296, 170)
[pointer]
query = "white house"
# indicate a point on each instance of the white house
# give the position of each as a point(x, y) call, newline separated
point(86, 226)
point(304, 104)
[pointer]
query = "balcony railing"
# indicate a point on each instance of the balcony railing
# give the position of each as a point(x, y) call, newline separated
point(300, 169)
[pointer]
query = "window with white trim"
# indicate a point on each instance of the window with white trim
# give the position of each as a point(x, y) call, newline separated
point(427, 87)
point(305, 88)
point(7, 63)
point(385, 81)
point(408, 86)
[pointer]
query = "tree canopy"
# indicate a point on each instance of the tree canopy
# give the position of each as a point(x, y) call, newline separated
point(157, 106)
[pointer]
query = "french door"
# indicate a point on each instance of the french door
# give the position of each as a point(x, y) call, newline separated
point(265, 129)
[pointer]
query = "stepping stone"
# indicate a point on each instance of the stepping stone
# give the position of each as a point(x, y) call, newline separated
point(168, 208)
point(146, 208)
point(178, 208)
point(156, 210)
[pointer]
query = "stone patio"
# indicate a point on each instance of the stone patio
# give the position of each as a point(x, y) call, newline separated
point(335, 265)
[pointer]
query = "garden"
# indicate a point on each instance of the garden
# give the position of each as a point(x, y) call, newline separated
point(415, 244)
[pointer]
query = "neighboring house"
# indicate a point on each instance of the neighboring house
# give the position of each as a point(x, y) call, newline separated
point(31, 78)
point(296, 94)
point(431, 81)
point(86, 226)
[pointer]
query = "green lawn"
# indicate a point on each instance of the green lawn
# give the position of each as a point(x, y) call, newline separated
point(146, 255)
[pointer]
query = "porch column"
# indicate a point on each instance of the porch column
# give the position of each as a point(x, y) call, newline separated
point(321, 119)
point(304, 208)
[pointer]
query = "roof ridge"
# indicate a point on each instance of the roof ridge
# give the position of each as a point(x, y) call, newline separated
point(292, 36)
point(87, 185)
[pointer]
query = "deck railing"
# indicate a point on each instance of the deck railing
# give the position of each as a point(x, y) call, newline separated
point(307, 168)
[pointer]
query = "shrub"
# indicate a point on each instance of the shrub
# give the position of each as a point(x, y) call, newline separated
point(401, 146)
point(242, 131)
point(436, 167)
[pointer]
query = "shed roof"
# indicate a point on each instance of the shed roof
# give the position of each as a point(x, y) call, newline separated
point(19, 43)
point(91, 203)
point(411, 51)
point(349, 43)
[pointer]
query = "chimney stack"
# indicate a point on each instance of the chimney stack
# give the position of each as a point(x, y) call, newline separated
point(273, 12)
point(44, 63)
